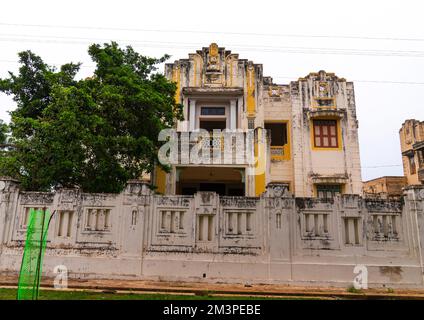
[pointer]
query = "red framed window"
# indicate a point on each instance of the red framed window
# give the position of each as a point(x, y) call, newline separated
point(325, 134)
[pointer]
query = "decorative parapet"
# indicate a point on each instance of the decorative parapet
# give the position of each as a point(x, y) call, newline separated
point(325, 113)
point(138, 187)
point(8, 184)
point(329, 179)
point(277, 190)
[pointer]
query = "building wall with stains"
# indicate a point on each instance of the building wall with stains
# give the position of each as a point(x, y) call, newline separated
point(275, 238)
point(336, 165)
point(277, 108)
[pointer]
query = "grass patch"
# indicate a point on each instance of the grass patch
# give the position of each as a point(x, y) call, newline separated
point(352, 289)
point(10, 294)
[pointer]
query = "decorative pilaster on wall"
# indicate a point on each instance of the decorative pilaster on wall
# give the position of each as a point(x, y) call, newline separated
point(9, 191)
point(414, 204)
point(278, 203)
point(206, 212)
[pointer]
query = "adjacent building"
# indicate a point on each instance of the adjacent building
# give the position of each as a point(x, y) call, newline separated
point(385, 187)
point(311, 140)
point(412, 146)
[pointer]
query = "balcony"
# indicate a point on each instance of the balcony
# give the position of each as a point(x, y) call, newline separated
point(280, 153)
point(217, 149)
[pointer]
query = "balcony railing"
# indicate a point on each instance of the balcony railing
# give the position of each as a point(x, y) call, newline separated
point(277, 152)
point(220, 149)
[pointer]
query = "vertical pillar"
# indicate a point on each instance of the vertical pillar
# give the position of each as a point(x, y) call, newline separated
point(192, 115)
point(414, 208)
point(240, 112)
point(169, 217)
point(173, 222)
point(230, 222)
point(9, 192)
point(260, 166)
point(184, 124)
point(321, 224)
point(233, 113)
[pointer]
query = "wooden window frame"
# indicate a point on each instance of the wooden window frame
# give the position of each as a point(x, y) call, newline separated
point(281, 152)
point(321, 136)
point(328, 188)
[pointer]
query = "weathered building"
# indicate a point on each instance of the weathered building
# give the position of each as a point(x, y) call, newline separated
point(296, 215)
point(385, 187)
point(412, 146)
point(312, 143)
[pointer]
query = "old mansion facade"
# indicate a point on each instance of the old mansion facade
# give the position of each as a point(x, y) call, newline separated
point(292, 215)
point(311, 128)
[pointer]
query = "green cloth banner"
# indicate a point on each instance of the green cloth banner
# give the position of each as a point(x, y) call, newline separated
point(32, 260)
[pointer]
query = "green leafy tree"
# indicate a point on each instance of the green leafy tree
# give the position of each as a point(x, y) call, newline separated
point(95, 133)
point(3, 133)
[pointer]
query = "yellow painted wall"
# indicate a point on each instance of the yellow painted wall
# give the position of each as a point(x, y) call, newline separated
point(160, 180)
point(176, 77)
point(260, 166)
point(250, 100)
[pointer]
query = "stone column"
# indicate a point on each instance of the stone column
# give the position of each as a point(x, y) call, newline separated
point(280, 219)
point(9, 192)
point(233, 112)
point(137, 199)
point(192, 115)
point(184, 124)
point(414, 208)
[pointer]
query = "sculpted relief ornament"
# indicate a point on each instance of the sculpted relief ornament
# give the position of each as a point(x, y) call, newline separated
point(213, 74)
point(213, 59)
point(323, 89)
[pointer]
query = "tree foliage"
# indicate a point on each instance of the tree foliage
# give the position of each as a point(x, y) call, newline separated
point(3, 133)
point(95, 133)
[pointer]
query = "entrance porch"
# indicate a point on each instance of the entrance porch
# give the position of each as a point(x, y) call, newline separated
point(226, 181)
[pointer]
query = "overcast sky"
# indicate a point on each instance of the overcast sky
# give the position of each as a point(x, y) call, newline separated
point(377, 44)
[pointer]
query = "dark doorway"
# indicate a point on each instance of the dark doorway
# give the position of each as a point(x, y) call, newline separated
point(188, 191)
point(277, 132)
point(219, 188)
point(209, 125)
point(235, 192)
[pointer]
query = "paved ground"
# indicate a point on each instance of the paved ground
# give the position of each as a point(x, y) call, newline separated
point(225, 289)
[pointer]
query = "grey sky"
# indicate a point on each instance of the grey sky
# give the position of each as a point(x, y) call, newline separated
point(267, 32)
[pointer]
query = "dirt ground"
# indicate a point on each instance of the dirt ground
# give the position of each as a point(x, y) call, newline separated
point(224, 289)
